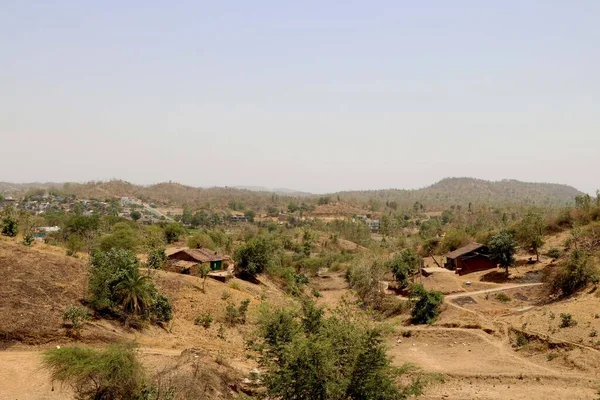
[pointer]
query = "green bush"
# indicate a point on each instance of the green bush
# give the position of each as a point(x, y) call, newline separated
point(116, 285)
point(253, 257)
point(201, 240)
point(236, 315)
point(204, 319)
point(404, 265)
point(318, 357)
point(76, 316)
point(574, 274)
point(28, 239)
point(123, 236)
point(110, 374)
point(157, 258)
point(503, 297)
point(10, 226)
point(427, 304)
point(566, 320)
point(553, 253)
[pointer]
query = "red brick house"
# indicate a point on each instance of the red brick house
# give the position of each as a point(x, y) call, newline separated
point(470, 258)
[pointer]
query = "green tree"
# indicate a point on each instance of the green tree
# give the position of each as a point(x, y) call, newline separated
point(203, 271)
point(134, 293)
point(115, 285)
point(574, 274)
point(502, 249)
point(157, 258)
point(173, 232)
point(330, 358)
point(187, 217)
point(253, 257)
point(404, 265)
point(530, 232)
point(427, 304)
point(135, 215)
point(10, 226)
point(123, 236)
point(250, 214)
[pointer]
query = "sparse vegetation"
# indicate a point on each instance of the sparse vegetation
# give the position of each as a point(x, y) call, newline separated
point(109, 374)
point(503, 297)
point(204, 319)
point(566, 320)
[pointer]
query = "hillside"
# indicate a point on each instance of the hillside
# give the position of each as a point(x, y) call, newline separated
point(443, 194)
point(462, 191)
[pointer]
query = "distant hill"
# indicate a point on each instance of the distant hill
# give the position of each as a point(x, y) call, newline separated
point(282, 191)
point(443, 194)
point(462, 191)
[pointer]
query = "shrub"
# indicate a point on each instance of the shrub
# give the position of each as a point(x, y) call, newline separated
point(574, 274)
point(115, 285)
point(503, 297)
point(253, 257)
point(404, 265)
point(334, 357)
point(225, 295)
point(157, 258)
point(28, 239)
point(566, 320)
point(10, 226)
point(553, 253)
point(204, 319)
point(173, 231)
point(200, 240)
point(522, 340)
point(427, 304)
point(76, 316)
point(236, 315)
point(123, 236)
point(113, 373)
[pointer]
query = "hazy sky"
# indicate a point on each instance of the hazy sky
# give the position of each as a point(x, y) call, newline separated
point(311, 95)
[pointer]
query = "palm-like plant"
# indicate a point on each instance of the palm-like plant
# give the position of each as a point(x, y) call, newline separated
point(135, 293)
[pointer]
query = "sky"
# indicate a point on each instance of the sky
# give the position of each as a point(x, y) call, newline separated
point(317, 96)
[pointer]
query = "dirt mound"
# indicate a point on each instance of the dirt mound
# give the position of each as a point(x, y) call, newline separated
point(36, 288)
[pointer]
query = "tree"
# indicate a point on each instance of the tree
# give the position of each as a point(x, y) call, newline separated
point(530, 232)
point(250, 214)
point(173, 231)
point(329, 358)
point(135, 215)
point(115, 285)
point(404, 265)
point(427, 304)
point(186, 217)
point(157, 258)
point(203, 271)
point(366, 277)
point(122, 237)
point(134, 292)
point(254, 256)
point(10, 226)
point(574, 274)
point(110, 374)
point(502, 249)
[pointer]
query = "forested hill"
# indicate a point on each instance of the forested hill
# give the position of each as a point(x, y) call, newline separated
point(462, 191)
point(441, 195)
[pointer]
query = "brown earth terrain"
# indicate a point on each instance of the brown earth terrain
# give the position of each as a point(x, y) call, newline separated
point(495, 339)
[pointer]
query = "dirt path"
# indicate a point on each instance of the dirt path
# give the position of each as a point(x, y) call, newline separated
point(496, 289)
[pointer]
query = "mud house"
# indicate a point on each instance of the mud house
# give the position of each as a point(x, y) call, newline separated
point(188, 261)
point(470, 258)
